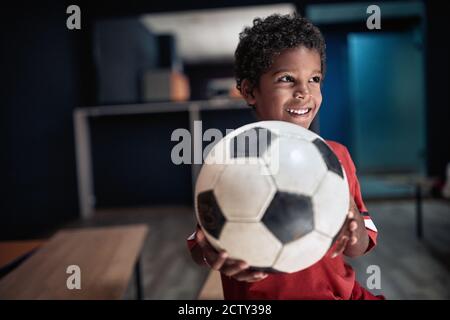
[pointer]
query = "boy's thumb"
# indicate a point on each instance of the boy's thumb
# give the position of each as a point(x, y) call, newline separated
point(200, 238)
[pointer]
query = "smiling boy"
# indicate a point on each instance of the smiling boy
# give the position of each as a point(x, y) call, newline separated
point(280, 64)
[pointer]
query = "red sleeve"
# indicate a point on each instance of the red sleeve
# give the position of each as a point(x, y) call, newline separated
point(355, 190)
point(191, 243)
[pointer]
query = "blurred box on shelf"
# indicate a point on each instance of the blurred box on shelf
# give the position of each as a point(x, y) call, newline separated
point(222, 88)
point(164, 85)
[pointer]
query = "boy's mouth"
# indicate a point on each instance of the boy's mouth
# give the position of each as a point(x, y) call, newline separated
point(298, 111)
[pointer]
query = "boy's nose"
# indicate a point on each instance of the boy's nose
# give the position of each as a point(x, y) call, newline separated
point(301, 91)
point(302, 94)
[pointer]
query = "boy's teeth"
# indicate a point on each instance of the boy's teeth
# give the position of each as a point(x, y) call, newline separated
point(298, 111)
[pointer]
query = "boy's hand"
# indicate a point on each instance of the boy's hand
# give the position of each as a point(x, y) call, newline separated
point(237, 269)
point(353, 239)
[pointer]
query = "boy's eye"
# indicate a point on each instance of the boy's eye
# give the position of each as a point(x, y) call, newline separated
point(286, 79)
point(316, 79)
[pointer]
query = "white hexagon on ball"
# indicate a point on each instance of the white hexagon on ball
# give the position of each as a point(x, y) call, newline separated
point(332, 196)
point(243, 192)
point(295, 158)
point(302, 253)
point(208, 176)
point(251, 242)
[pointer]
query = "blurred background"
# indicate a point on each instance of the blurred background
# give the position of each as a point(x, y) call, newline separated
point(87, 118)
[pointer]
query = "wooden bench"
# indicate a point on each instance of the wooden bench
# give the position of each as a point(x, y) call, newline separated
point(212, 288)
point(106, 257)
point(13, 253)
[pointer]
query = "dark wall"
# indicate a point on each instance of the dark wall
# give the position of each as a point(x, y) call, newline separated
point(123, 50)
point(41, 77)
point(437, 86)
point(132, 161)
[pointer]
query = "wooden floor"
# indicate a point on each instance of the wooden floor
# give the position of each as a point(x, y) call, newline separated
point(410, 269)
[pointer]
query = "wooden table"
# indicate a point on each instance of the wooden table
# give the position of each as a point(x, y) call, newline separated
point(106, 257)
point(12, 253)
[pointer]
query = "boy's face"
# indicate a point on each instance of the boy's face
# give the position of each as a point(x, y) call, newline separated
point(290, 89)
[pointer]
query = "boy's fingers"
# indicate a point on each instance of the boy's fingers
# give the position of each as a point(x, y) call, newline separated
point(353, 225)
point(256, 279)
point(200, 238)
point(234, 268)
point(350, 214)
point(219, 261)
point(250, 276)
point(341, 247)
point(212, 258)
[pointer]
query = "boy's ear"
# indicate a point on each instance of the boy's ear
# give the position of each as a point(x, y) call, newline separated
point(247, 92)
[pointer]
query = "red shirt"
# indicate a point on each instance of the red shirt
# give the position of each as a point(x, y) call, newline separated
point(327, 279)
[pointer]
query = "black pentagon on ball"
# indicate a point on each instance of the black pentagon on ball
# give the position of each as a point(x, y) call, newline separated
point(329, 157)
point(251, 143)
point(210, 214)
point(289, 216)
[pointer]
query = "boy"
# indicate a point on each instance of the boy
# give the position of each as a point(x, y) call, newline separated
point(280, 63)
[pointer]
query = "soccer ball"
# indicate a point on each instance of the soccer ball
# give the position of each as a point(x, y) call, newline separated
point(273, 194)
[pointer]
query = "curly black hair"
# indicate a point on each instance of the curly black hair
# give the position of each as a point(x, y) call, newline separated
point(267, 38)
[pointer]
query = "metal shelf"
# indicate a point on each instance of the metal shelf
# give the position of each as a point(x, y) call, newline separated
point(83, 148)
